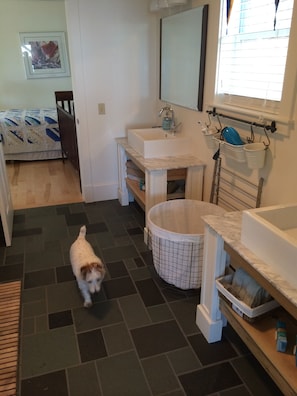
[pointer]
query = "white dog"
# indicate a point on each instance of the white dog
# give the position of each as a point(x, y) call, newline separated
point(86, 266)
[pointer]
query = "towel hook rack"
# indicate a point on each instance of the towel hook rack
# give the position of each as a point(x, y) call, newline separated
point(272, 127)
point(252, 138)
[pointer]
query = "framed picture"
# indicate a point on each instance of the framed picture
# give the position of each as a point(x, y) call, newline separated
point(45, 54)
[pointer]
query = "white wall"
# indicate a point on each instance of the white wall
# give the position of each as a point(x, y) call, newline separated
point(27, 16)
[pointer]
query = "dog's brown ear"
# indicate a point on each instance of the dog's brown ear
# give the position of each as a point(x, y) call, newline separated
point(84, 270)
point(99, 266)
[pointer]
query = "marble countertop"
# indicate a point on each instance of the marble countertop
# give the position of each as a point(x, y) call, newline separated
point(228, 227)
point(151, 164)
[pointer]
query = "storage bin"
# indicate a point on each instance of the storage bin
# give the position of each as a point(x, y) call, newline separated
point(255, 155)
point(236, 152)
point(176, 234)
point(242, 309)
point(212, 139)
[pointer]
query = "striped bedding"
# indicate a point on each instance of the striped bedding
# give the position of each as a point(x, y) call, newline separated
point(25, 132)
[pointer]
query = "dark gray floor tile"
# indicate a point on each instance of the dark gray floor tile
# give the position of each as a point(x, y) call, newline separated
point(159, 374)
point(51, 258)
point(147, 257)
point(39, 278)
point(26, 232)
point(78, 219)
point(209, 380)
point(83, 380)
point(36, 294)
point(64, 274)
point(172, 293)
point(95, 228)
point(34, 243)
point(238, 390)
point(122, 375)
point(34, 308)
point(183, 360)
point(52, 384)
point(91, 345)
point(234, 339)
point(139, 273)
point(117, 338)
point(100, 314)
point(119, 253)
point(41, 323)
point(149, 292)
point(63, 296)
point(158, 338)
point(11, 272)
point(18, 247)
point(15, 259)
point(160, 313)
point(134, 311)
point(119, 287)
point(117, 269)
point(211, 353)
point(19, 219)
point(60, 319)
point(139, 262)
point(48, 351)
point(28, 326)
point(185, 313)
point(135, 231)
point(257, 380)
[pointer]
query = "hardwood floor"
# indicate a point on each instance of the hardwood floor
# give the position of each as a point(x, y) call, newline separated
point(43, 183)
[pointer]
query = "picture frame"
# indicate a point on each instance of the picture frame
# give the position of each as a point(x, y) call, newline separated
point(45, 54)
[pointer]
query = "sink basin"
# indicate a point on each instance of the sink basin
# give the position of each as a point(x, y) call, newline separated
point(157, 143)
point(271, 233)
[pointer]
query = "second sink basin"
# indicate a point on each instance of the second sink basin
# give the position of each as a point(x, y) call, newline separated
point(157, 143)
point(271, 233)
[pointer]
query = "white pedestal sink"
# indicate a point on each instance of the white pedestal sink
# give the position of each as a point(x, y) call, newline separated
point(157, 143)
point(271, 233)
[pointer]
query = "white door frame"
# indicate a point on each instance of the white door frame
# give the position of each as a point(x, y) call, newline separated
point(6, 208)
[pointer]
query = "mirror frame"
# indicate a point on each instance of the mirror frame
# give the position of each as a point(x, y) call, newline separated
point(200, 66)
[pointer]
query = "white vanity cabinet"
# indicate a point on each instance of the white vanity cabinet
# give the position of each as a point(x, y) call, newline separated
point(155, 172)
point(222, 247)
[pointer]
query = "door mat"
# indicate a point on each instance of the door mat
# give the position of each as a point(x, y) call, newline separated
point(10, 302)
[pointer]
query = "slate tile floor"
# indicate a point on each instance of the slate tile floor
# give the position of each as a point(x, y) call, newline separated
point(140, 336)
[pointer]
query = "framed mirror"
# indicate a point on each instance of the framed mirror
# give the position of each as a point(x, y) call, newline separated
point(182, 57)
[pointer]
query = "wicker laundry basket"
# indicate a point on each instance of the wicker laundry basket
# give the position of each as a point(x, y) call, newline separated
point(176, 233)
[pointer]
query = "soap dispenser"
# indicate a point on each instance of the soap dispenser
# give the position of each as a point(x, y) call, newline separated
point(166, 123)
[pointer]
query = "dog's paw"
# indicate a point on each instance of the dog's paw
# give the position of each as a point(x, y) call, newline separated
point(87, 304)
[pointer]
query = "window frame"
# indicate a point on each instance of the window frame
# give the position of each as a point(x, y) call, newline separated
point(284, 113)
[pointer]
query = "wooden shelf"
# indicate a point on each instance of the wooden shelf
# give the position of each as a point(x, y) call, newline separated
point(260, 338)
point(139, 195)
point(177, 174)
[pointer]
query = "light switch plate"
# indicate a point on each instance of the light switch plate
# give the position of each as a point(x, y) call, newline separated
point(101, 108)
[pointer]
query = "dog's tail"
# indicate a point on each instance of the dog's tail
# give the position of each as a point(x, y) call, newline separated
point(82, 232)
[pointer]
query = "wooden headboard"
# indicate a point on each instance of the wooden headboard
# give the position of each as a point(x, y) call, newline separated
point(67, 126)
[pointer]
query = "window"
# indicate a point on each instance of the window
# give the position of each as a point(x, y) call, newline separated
point(253, 49)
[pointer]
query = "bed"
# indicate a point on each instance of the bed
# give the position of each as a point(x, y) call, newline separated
point(30, 134)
